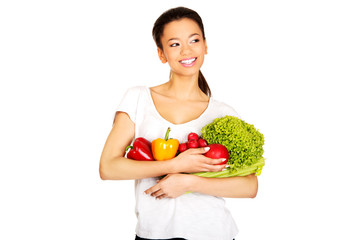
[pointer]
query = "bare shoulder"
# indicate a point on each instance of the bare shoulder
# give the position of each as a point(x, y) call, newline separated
point(159, 90)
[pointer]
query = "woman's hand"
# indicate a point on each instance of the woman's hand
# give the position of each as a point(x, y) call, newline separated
point(171, 186)
point(174, 185)
point(193, 160)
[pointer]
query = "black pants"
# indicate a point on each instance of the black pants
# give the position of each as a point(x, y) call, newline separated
point(139, 238)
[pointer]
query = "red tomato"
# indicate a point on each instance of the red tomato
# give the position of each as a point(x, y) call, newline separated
point(217, 151)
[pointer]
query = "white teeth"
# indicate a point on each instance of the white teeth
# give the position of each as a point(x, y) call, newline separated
point(188, 61)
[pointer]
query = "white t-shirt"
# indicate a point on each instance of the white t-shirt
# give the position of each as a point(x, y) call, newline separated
point(193, 216)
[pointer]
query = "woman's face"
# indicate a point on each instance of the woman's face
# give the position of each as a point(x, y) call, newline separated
point(184, 47)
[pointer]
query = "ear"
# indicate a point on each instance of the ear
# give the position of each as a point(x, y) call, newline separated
point(206, 48)
point(161, 55)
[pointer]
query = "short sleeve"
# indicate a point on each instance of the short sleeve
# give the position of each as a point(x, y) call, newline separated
point(129, 102)
point(230, 111)
point(225, 109)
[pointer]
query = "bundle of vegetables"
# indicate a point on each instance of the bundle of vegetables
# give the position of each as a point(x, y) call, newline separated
point(243, 142)
point(159, 149)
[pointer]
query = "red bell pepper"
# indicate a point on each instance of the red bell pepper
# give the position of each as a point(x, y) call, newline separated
point(140, 150)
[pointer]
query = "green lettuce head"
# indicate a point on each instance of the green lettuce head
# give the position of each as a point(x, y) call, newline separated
point(243, 141)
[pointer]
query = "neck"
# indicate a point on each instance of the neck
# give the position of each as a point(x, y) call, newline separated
point(185, 87)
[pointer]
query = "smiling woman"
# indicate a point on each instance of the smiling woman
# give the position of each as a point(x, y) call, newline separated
point(184, 53)
point(182, 21)
point(183, 103)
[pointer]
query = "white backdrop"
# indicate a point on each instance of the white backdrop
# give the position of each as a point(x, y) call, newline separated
point(289, 67)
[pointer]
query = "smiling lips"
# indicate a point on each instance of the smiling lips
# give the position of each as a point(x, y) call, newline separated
point(188, 62)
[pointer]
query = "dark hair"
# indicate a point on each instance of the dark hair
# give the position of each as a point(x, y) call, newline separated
point(173, 15)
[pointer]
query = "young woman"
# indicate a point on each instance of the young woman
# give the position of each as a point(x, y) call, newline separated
point(184, 103)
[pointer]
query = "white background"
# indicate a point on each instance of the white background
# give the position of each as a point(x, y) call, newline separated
point(289, 67)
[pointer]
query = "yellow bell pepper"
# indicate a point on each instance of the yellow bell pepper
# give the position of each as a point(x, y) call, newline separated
point(164, 149)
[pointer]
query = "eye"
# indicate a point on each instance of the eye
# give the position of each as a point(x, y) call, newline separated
point(195, 40)
point(174, 45)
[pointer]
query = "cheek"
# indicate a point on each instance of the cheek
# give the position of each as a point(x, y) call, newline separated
point(171, 55)
point(201, 50)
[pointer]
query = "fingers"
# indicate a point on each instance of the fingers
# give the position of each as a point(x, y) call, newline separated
point(215, 161)
point(195, 161)
point(198, 150)
point(158, 193)
point(203, 150)
point(152, 189)
point(215, 165)
point(161, 196)
point(215, 168)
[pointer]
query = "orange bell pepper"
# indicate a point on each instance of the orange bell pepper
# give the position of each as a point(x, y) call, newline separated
point(164, 149)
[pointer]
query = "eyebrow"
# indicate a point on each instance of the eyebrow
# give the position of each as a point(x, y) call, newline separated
point(189, 37)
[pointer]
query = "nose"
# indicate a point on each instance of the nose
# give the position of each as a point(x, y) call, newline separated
point(185, 50)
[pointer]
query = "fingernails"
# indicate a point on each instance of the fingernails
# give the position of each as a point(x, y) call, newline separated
point(206, 149)
point(225, 168)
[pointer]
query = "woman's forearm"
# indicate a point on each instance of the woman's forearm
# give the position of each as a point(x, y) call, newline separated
point(122, 168)
point(232, 187)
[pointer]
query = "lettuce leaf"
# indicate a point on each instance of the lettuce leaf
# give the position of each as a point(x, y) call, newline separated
point(243, 141)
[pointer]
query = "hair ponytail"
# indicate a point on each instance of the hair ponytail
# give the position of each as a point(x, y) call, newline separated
point(203, 84)
point(177, 14)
